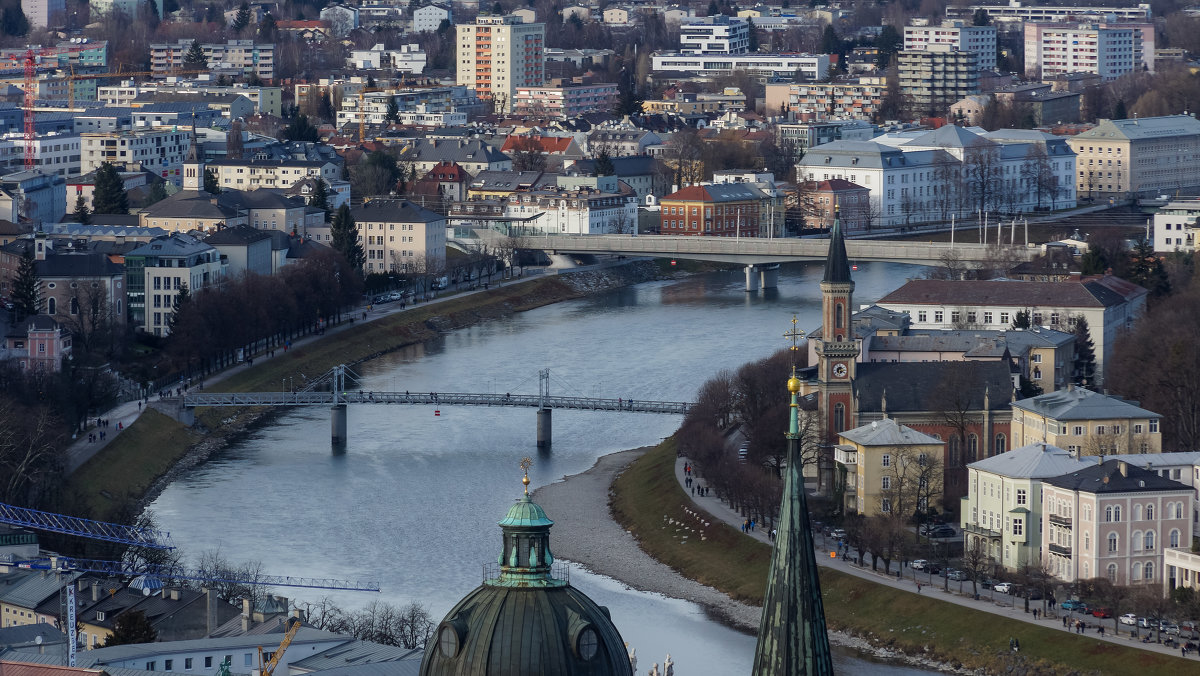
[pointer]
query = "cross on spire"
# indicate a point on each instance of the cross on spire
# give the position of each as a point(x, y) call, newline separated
point(795, 335)
point(526, 463)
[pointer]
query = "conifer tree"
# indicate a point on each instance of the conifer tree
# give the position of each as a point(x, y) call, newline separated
point(26, 289)
point(109, 195)
point(345, 238)
point(242, 18)
point(210, 182)
point(195, 58)
point(131, 627)
point(320, 198)
point(82, 214)
point(1085, 354)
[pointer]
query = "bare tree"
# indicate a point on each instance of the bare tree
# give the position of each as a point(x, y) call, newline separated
point(977, 561)
point(1038, 175)
point(982, 174)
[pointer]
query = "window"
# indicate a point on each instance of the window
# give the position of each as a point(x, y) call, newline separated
point(246, 659)
point(921, 316)
point(1148, 541)
point(1174, 538)
point(1154, 427)
point(839, 417)
point(187, 663)
point(1137, 428)
point(1136, 572)
point(168, 664)
point(150, 666)
point(1022, 496)
point(885, 506)
point(1001, 443)
point(1100, 429)
point(887, 460)
point(987, 318)
point(1149, 512)
point(886, 483)
point(1112, 572)
point(1077, 430)
point(1003, 317)
point(1113, 543)
point(1018, 527)
point(938, 316)
point(1087, 541)
point(1149, 571)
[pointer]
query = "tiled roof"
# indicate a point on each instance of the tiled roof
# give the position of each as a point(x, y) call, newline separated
point(1108, 477)
point(1035, 461)
point(1081, 404)
point(887, 432)
point(1067, 294)
point(548, 144)
point(914, 387)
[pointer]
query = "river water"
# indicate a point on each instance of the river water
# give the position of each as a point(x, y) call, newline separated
point(414, 500)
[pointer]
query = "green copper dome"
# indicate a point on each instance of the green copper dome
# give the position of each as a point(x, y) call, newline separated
point(525, 513)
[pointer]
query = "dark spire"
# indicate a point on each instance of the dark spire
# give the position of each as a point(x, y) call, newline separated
point(837, 265)
point(792, 638)
point(193, 154)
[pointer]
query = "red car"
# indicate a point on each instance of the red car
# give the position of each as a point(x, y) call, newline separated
point(1102, 613)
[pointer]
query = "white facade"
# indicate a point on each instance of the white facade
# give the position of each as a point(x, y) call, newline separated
point(497, 54)
point(408, 59)
point(978, 39)
point(52, 153)
point(714, 35)
point(43, 13)
point(1054, 49)
point(128, 7)
point(811, 66)
point(341, 19)
point(252, 174)
point(429, 18)
point(574, 212)
point(1175, 226)
point(160, 152)
point(1024, 12)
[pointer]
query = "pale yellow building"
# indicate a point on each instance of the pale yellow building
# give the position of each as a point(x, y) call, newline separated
point(1142, 157)
point(498, 54)
point(889, 468)
point(1086, 423)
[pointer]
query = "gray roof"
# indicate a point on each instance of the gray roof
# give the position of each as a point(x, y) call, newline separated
point(268, 163)
point(175, 244)
point(499, 179)
point(395, 211)
point(1108, 477)
point(121, 653)
point(888, 432)
point(1138, 129)
point(918, 387)
point(35, 588)
point(27, 634)
point(970, 292)
point(358, 653)
point(633, 165)
point(261, 198)
point(972, 343)
point(57, 657)
point(462, 151)
point(1081, 404)
point(1152, 460)
point(1035, 461)
point(238, 235)
point(196, 204)
point(949, 136)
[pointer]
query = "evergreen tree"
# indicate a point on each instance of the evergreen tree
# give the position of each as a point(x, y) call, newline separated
point(158, 192)
point(888, 43)
point(195, 58)
point(26, 289)
point(981, 18)
point(753, 36)
point(345, 238)
point(1085, 354)
point(109, 194)
point(320, 198)
point(267, 27)
point(1146, 270)
point(242, 18)
point(13, 21)
point(1094, 261)
point(629, 100)
point(82, 214)
point(393, 111)
point(181, 301)
point(300, 130)
point(1022, 320)
point(830, 42)
point(1119, 112)
point(210, 182)
point(713, 8)
point(131, 627)
point(604, 163)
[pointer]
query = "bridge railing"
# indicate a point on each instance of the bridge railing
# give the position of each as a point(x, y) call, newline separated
point(200, 399)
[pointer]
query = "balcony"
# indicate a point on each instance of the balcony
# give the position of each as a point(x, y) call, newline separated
point(1060, 520)
point(1059, 549)
point(976, 529)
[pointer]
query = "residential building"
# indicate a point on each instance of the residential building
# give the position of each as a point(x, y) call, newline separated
point(473, 156)
point(247, 57)
point(160, 152)
point(429, 18)
point(1113, 520)
point(397, 236)
point(1047, 107)
point(805, 135)
point(960, 35)
point(38, 344)
point(1108, 50)
point(241, 652)
point(1140, 157)
point(498, 54)
point(341, 19)
point(265, 99)
point(244, 250)
point(36, 195)
point(53, 153)
point(173, 109)
point(603, 208)
point(714, 35)
point(408, 58)
point(684, 104)
point(555, 148)
point(718, 210)
point(1110, 306)
point(1175, 226)
point(889, 469)
point(79, 285)
point(824, 100)
point(82, 54)
point(823, 201)
point(623, 141)
point(1022, 12)
point(1086, 423)
point(337, 192)
point(129, 8)
point(442, 101)
point(489, 185)
point(935, 77)
point(43, 13)
point(1003, 506)
point(809, 66)
point(157, 271)
point(252, 174)
point(639, 172)
point(565, 100)
point(618, 16)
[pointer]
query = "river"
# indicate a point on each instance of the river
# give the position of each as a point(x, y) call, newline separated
point(414, 500)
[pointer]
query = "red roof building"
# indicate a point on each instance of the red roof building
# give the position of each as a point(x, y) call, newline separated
point(551, 145)
point(722, 210)
point(822, 199)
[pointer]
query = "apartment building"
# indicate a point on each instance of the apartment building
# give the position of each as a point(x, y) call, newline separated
point(56, 153)
point(158, 151)
point(599, 209)
point(1175, 226)
point(937, 76)
point(1022, 12)
point(713, 35)
point(823, 100)
point(266, 100)
point(498, 54)
point(252, 174)
point(408, 58)
point(79, 53)
point(960, 35)
point(809, 66)
point(565, 100)
point(1113, 520)
point(880, 463)
point(1108, 50)
point(1086, 423)
point(398, 235)
point(157, 271)
point(724, 210)
point(429, 18)
point(1142, 157)
point(245, 56)
point(43, 13)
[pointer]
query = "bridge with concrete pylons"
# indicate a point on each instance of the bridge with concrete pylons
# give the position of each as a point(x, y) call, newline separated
point(762, 255)
point(331, 390)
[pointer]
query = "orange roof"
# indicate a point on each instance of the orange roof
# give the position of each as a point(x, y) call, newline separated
point(300, 24)
point(12, 668)
point(548, 144)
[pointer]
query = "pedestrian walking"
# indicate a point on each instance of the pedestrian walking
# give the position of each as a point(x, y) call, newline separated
point(1035, 613)
point(693, 491)
point(1065, 622)
point(918, 587)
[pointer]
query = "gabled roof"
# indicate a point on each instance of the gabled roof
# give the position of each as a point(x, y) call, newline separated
point(838, 185)
point(547, 144)
point(949, 136)
point(194, 204)
point(720, 192)
point(913, 387)
point(447, 171)
point(1116, 476)
point(1166, 126)
point(1035, 461)
point(238, 235)
point(1066, 294)
point(395, 211)
point(175, 244)
point(1080, 404)
point(888, 432)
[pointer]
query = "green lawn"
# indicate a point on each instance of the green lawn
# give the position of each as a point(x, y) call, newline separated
point(916, 624)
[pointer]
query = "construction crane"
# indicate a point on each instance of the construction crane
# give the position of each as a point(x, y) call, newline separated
point(73, 525)
point(293, 626)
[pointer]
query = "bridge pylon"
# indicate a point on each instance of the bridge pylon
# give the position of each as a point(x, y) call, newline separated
point(544, 412)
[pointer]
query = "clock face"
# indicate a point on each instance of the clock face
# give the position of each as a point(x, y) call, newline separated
point(839, 370)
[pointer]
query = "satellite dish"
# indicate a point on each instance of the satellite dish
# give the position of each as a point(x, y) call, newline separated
point(38, 639)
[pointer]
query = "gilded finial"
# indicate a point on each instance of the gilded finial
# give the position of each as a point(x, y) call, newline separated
point(526, 463)
point(795, 335)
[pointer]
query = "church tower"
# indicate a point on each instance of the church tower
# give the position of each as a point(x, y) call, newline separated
point(837, 351)
point(193, 168)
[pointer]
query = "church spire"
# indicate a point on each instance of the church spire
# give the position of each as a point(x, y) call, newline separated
point(792, 637)
point(837, 265)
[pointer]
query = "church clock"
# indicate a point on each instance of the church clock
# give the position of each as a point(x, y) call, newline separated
point(839, 370)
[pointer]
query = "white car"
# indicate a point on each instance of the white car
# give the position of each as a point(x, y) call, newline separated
point(1004, 587)
point(1129, 618)
point(919, 564)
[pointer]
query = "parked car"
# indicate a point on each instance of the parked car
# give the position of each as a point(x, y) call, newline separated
point(959, 575)
point(988, 582)
point(1170, 628)
point(950, 571)
point(1072, 604)
point(1035, 594)
point(1129, 618)
point(1147, 623)
point(919, 564)
point(838, 534)
point(1006, 587)
point(1102, 613)
point(941, 532)
point(934, 569)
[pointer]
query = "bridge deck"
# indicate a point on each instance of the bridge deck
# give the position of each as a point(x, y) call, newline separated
point(198, 399)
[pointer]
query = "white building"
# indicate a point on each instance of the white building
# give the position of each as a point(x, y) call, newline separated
point(429, 18)
point(710, 35)
point(169, 263)
point(575, 211)
point(54, 153)
point(158, 151)
point(341, 18)
point(43, 13)
point(268, 100)
point(810, 66)
point(128, 7)
point(1175, 226)
point(1023, 12)
point(252, 174)
point(1107, 50)
point(497, 54)
point(398, 235)
point(958, 34)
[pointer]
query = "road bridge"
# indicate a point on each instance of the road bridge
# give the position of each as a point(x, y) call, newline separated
point(761, 256)
point(330, 390)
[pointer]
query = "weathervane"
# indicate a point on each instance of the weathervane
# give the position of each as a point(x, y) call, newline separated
point(526, 463)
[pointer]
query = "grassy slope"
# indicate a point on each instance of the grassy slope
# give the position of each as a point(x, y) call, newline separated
point(916, 624)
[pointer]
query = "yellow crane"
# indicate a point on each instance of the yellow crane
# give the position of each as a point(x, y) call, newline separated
point(293, 626)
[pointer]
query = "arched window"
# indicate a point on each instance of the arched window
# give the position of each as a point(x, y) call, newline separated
point(1174, 538)
point(1149, 512)
point(1116, 512)
point(1108, 513)
point(839, 417)
point(1137, 512)
point(1149, 541)
point(1112, 572)
point(955, 447)
point(1113, 543)
point(51, 306)
point(838, 315)
point(1001, 444)
point(1135, 541)
point(1136, 572)
point(1086, 569)
point(972, 447)
point(1149, 571)
point(1087, 541)
point(74, 305)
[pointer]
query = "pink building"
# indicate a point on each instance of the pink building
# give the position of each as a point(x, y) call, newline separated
point(1113, 520)
point(38, 344)
point(565, 101)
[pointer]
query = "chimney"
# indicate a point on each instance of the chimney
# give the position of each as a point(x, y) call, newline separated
point(246, 611)
point(175, 594)
point(1123, 467)
point(95, 590)
point(210, 601)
